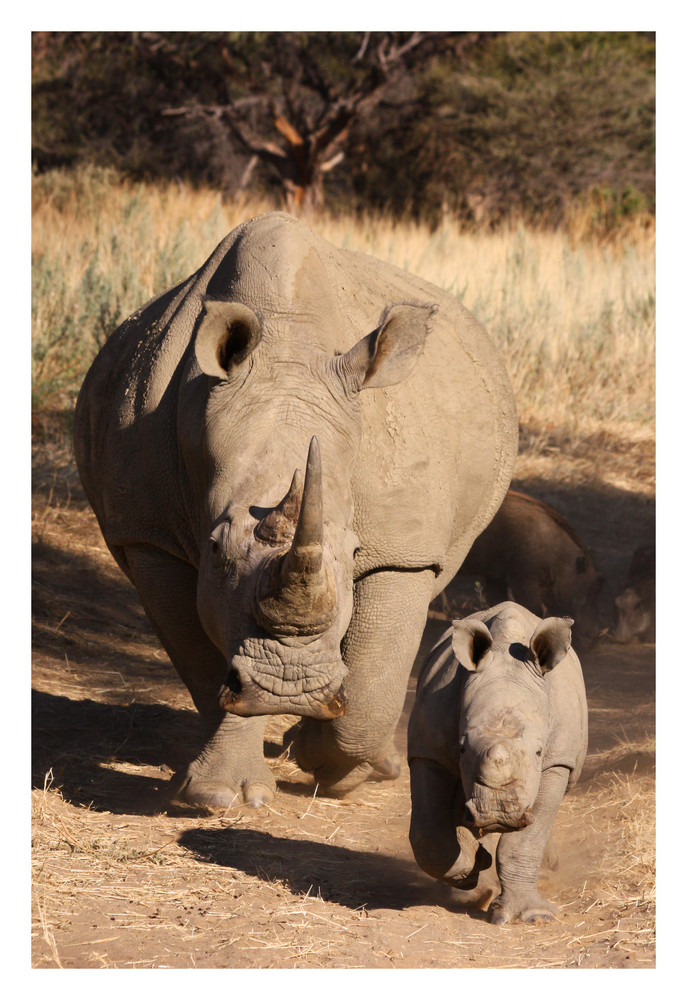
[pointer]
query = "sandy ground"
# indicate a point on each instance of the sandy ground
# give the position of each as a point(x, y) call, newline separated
point(308, 883)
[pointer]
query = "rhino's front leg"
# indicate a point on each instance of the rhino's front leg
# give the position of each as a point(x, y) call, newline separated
point(389, 616)
point(520, 853)
point(443, 848)
point(231, 768)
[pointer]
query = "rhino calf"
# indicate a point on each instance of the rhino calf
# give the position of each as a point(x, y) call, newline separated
point(530, 554)
point(497, 735)
point(635, 606)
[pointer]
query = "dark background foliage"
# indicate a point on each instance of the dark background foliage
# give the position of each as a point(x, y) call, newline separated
point(489, 125)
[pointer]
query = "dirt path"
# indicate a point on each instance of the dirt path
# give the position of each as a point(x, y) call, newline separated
point(310, 882)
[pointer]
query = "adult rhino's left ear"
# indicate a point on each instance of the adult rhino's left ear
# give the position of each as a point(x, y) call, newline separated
point(550, 642)
point(388, 354)
point(228, 333)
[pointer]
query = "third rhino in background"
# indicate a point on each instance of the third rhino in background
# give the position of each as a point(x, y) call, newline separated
point(635, 606)
point(531, 555)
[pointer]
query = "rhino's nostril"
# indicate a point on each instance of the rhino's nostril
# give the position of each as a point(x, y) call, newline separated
point(233, 681)
point(469, 814)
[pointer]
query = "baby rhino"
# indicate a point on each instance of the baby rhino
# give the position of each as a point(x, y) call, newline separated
point(497, 735)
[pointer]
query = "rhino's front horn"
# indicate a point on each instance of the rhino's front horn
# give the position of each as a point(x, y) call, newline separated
point(297, 593)
point(305, 555)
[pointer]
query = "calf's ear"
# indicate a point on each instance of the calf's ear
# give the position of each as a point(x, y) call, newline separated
point(550, 642)
point(471, 641)
point(388, 354)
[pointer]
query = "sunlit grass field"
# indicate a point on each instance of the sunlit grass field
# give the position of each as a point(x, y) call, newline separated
point(574, 317)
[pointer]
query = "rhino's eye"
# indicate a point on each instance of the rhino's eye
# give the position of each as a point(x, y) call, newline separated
point(538, 753)
point(218, 545)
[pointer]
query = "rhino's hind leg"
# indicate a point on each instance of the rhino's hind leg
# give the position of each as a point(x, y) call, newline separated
point(231, 768)
point(389, 616)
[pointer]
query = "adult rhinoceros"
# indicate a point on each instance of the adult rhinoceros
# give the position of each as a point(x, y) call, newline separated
point(289, 454)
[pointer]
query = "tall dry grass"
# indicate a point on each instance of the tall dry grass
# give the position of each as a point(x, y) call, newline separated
point(574, 318)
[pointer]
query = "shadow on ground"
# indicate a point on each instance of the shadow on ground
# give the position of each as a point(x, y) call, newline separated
point(337, 874)
point(82, 745)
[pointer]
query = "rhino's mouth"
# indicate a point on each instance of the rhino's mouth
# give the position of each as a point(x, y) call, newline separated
point(268, 678)
point(497, 810)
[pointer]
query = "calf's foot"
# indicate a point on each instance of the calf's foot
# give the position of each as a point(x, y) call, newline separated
point(526, 906)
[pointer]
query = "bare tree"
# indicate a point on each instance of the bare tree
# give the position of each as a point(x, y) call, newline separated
point(292, 97)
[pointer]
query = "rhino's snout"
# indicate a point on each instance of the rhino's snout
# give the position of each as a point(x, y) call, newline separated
point(497, 820)
point(497, 765)
point(242, 695)
point(497, 756)
point(499, 798)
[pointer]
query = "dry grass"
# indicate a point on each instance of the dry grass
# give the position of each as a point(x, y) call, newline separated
point(574, 318)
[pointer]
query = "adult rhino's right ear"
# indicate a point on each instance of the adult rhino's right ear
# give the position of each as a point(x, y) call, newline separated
point(228, 333)
point(388, 354)
point(471, 641)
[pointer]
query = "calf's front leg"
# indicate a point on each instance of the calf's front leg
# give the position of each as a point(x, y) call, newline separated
point(520, 853)
point(443, 849)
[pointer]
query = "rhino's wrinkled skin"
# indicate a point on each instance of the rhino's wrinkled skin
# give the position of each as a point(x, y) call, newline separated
point(497, 735)
point(289, 454)
point(531, 555)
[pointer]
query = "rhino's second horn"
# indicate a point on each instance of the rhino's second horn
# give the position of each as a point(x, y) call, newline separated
point(278, 526)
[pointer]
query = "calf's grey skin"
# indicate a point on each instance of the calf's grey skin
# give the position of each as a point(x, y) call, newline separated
point(289, 454)
point(530, 554)
point(497, 735)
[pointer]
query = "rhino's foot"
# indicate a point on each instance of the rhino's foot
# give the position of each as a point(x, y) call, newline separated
point(528, 907)
point(337, 782)
point(335, 772)
point(473, 859)
point(388, 769)
point(478, 898)
point(193, 791)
